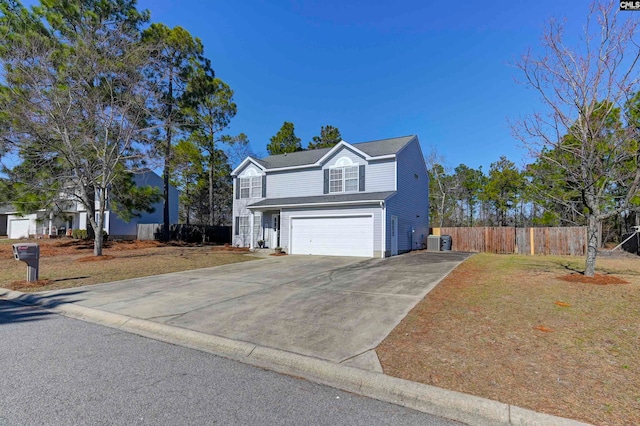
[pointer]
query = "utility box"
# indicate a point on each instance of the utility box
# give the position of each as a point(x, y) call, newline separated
point(28, 253)
point(445, 242)
point(433, 243)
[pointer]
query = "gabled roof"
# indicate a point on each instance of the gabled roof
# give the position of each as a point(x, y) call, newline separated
point(313, 157)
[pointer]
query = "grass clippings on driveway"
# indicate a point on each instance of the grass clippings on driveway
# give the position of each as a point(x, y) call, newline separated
point(70, 263)
point(513, 329)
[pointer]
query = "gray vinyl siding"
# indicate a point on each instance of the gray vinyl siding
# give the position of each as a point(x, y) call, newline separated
point(376, 210)
point(295, 183)
point(240, 209)
point(380, 176)
point(411, 202)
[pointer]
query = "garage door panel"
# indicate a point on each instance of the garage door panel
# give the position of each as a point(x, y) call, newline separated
point(333, 236)
point(19, 228)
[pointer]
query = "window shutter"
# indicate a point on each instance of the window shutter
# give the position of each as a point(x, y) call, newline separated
point(237, 190)
point(361, 179)
point(264, 186)
point(326, 181)
point(237, 225)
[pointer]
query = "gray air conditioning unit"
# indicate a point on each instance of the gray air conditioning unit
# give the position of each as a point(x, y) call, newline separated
point(433, 243)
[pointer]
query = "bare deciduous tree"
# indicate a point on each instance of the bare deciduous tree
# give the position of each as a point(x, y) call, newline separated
point(441, 187)
point(582, 89)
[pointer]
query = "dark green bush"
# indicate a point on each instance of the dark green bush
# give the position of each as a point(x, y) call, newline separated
point(79, 234)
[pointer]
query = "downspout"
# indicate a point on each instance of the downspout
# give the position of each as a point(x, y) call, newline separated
point(251, 219)
point(384, 229)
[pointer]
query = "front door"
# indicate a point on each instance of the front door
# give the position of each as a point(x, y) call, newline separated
point(394, 235)
point(275, 230)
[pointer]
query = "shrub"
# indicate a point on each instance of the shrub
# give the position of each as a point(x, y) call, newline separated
point(79, 234)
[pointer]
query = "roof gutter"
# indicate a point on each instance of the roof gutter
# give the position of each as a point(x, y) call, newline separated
point(334, 203)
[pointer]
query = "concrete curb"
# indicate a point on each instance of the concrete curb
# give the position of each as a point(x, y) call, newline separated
point(445, 403)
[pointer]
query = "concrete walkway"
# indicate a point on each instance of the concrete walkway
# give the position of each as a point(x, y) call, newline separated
point(333, 308)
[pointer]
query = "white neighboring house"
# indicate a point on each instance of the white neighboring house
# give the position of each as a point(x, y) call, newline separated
point(74, 216)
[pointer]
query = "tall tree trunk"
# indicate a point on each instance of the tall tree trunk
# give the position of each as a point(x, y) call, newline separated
point(442, 211)
point(98, 239)
point(211, 201)
point(91, 212)
point(99, 222)
point(592, 246)
point(165, 178)
point(167, 159)
point(186, 188)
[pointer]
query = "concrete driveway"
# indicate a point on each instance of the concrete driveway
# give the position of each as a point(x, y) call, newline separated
point(334, 308)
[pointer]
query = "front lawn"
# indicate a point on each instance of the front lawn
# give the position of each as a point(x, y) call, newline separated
point(70, 263)
point(522, 330)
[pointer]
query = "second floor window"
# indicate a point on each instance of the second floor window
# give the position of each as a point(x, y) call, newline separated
point(343, 179)
point(251, 187)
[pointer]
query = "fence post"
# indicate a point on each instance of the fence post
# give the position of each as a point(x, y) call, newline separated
point(532, 242)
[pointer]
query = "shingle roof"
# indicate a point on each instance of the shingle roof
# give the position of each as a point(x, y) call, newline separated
point(324, 199)
point(7, 208)
point(374, 149)
point(294, 158)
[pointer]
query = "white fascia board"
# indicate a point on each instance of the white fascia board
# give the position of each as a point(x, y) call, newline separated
point(335, 203)
point(337, 147)
point(280, 169)
point(382, 157)
point(244, 163)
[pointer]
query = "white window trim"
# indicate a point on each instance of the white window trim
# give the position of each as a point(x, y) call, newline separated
point(343, 179)
point(243, 228)
point(251, 185)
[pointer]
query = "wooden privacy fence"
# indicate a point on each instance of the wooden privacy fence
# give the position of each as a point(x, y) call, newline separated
point(571, 240)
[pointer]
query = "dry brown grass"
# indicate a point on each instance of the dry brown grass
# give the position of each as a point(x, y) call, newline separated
point(508, 328)
point(70, 263)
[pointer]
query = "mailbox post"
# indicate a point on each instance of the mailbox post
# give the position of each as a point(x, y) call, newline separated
point(28, 253)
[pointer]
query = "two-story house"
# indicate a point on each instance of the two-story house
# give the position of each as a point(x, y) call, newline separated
point(367, 199)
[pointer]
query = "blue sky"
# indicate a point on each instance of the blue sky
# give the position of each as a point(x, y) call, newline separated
point(375, 69)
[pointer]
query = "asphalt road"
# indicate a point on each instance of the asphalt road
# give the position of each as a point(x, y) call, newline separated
point(60, 371)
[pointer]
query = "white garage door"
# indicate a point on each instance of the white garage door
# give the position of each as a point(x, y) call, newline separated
point(332, 236)
point(19, 228)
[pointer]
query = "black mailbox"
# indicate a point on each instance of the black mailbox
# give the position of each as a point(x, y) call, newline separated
point(26, 251)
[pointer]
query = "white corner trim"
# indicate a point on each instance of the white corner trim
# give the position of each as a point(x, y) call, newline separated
point(383, 205)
